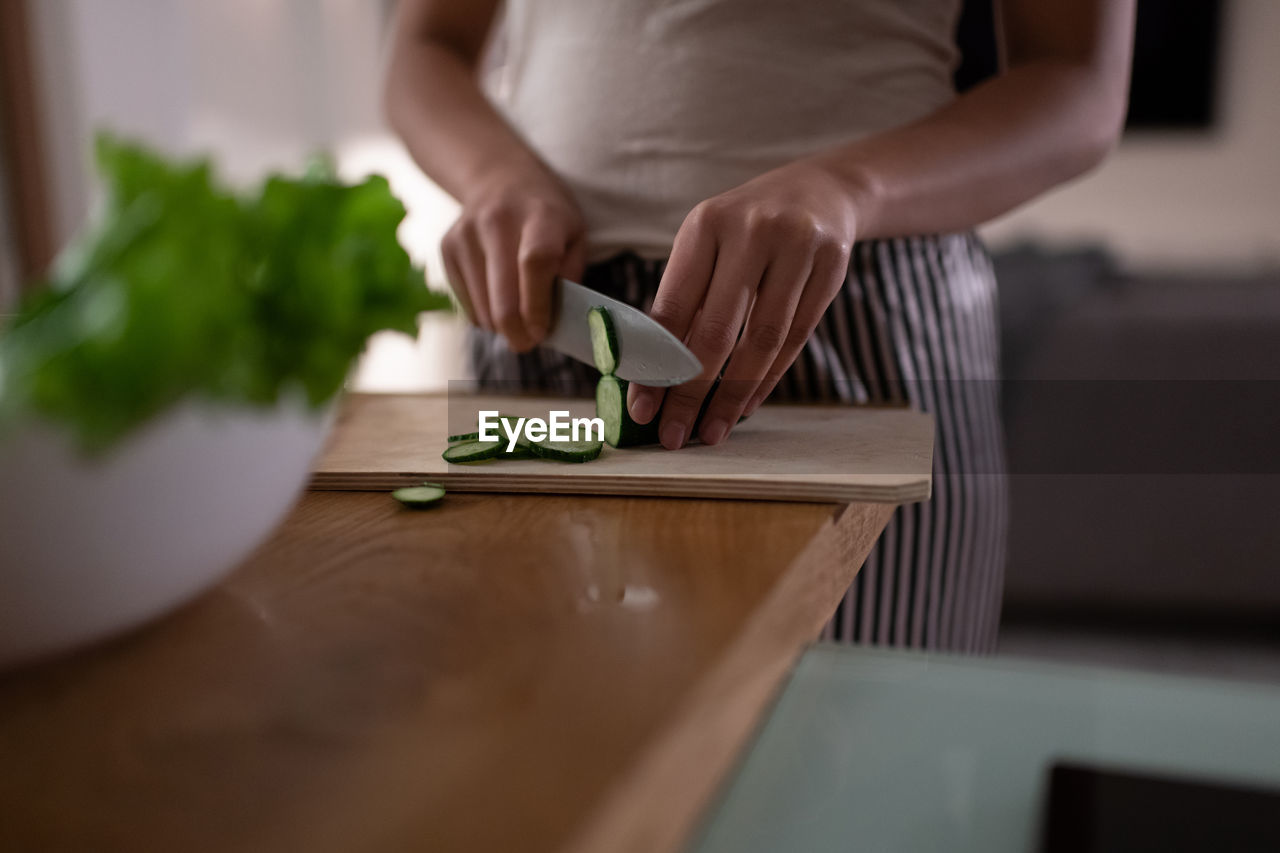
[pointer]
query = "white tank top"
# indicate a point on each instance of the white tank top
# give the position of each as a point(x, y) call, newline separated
point(647, 107)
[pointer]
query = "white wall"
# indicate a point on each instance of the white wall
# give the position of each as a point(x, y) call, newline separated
point(1165, 201)
point(259, 83)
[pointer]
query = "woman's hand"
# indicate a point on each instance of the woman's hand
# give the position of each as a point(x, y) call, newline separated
point(515, 235)
point(750, 275)
point(519, 227)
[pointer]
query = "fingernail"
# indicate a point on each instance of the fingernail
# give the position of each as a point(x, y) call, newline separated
point(752, 406)
point(673, 436)
point(714, 432)
point(538, 332)
point(643, 409)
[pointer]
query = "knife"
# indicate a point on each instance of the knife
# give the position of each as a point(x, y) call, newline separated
point(647, 353)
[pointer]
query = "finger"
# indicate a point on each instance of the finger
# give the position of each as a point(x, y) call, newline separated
point(643, 402)
point(542, 250)
point(457, 283)
point(739, 267)
point(762, 338)
point(684, 282)
point(575, 259)
point(501, 244)
point(468, 258)
point(829, 270)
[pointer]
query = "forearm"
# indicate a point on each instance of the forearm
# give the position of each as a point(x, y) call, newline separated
point(1052, 116)
point(987, 152)
point(435, 103)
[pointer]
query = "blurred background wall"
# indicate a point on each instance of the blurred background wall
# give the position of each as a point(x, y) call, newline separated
point(264, 81)
point(1206, 200)
point(259, 83)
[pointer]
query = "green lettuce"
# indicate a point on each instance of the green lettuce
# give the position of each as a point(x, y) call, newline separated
point(181, 288)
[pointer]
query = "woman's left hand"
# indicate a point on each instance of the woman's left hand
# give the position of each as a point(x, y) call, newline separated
point(751, 272)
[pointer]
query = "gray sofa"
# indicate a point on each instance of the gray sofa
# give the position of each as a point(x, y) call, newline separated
point(1143, 430)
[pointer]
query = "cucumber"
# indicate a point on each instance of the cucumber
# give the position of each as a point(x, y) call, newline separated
point(611, 407)
point(479, 451)
point(508, 427)
point(521, 451)
point(604, 340)
point(567, 451)
point(473, 451)
point(420, 497)
point(508, 423)
point(619, 428)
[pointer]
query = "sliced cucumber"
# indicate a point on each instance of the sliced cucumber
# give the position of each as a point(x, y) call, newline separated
point(567, 451)
point(619, 428)
point(507, 425)
point(508, 429)
point(420, 497)
point(521, 451)
point(604, 340)
point(473, 451)
point(611, 407)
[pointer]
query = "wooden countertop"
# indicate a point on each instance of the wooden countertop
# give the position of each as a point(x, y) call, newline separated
point(501, 673)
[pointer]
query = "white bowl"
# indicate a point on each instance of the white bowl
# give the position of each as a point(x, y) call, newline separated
point(93, 546)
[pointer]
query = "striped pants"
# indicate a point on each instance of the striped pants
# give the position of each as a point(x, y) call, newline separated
point(915, 323)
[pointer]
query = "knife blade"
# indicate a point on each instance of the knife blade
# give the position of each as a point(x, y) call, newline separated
point(647, 353)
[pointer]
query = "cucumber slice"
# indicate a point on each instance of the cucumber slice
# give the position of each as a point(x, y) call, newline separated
point(604, 340)
point(567, 451)
point(521, 451)
point(420, 497)
point(508, 427)
point(473, 451)
point(619, 428)
point(508, 423)
point(611, 407)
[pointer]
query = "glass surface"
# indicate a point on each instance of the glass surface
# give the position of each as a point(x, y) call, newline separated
point(901, 751)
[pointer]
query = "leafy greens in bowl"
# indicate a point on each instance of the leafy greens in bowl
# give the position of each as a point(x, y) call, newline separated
point(192, 341)
point(182, 288)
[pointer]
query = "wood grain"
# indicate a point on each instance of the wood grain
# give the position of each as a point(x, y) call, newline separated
point(501, 673)
point(783, 453)
point(659, 800)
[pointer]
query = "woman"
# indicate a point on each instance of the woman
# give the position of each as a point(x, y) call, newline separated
point(788, 187)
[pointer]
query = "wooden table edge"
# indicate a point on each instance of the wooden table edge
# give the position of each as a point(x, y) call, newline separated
point(909, 493)
point(657, 805)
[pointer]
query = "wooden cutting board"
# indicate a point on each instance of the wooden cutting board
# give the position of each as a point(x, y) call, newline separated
point(782, 453)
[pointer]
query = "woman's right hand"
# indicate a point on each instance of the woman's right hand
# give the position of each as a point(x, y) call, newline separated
point(516, 234)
